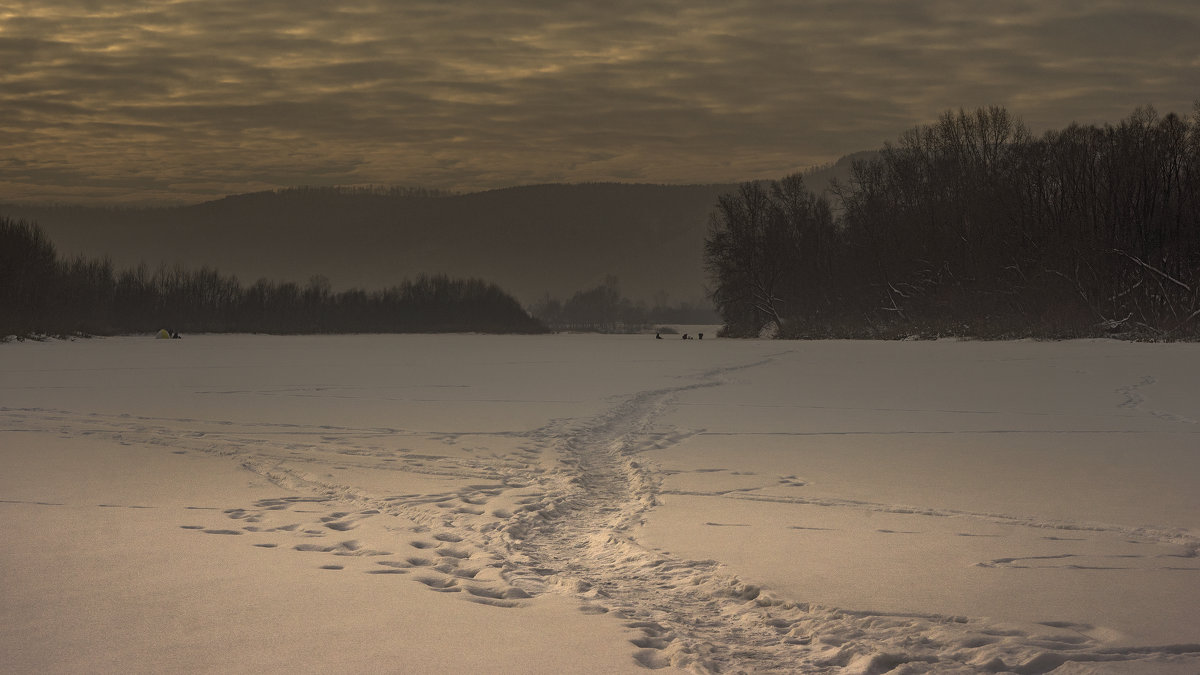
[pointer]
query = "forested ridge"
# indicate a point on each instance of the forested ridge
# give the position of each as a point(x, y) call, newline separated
point(43, 294)
point(529, 240)
point(972, 226)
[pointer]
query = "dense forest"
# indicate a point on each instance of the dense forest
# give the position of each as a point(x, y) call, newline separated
point(972, 226)
point(42, 294)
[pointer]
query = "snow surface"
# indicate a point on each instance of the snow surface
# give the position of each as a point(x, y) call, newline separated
point(585, 503)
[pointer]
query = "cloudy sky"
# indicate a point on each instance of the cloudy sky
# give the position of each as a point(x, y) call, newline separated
point(184, 100)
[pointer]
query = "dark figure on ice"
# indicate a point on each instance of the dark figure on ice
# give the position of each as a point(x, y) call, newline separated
point(658, 336)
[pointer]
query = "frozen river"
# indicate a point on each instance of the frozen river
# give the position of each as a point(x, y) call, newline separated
point(585, 503)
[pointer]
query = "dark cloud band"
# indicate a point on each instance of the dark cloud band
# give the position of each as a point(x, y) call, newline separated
point(196, 98)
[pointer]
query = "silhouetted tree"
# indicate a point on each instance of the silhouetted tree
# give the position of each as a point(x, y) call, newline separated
point(769, 247)
point(28, 273)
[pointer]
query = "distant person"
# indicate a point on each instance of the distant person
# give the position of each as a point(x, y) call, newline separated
point(700, 337)
point(175, 335)
point(685, 336)
point(658, 336)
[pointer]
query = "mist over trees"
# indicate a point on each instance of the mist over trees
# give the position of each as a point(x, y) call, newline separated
point(973, 226)
point(604, 309)
point(41, 294)
point(528, 240)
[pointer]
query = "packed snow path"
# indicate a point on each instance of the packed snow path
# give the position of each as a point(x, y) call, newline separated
point(697, 617)
point(585, 484)
point(502, 517)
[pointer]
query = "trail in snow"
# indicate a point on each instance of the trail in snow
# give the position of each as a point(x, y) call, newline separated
point(696, 616)
point(551, 511)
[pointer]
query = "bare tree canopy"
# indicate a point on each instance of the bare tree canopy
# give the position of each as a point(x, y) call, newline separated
point(972, 226)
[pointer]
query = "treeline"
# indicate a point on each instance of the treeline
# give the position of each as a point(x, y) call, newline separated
point(972, 226)
point(603, 309)
point(42, 294)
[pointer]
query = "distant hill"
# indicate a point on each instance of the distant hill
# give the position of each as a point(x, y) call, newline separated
point(529, 240)
point(819, 178)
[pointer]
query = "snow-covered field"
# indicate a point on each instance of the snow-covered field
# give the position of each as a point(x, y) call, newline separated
point(598, 504)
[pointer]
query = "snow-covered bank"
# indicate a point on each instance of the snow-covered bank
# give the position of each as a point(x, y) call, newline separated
point(539, 503)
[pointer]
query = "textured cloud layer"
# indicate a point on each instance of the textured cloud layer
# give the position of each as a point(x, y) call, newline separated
point(187, 99)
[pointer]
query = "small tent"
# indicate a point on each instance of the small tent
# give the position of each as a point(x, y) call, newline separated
point(162, 335)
